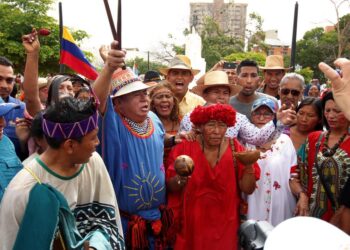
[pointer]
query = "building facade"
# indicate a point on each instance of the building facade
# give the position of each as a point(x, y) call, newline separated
point(230, 16)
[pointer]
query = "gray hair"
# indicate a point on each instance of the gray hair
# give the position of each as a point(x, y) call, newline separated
point(293, 76)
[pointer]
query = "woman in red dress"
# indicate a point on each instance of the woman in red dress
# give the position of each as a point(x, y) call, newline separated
point(325, 167)
point(207, 202)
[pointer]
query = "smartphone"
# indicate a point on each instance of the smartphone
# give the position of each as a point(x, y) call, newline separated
point(230, 65)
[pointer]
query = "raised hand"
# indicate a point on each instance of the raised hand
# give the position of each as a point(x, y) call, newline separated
point(104, 52)
point(115, 58)
point(31, 42)
point(340, 83)
point(286, 115)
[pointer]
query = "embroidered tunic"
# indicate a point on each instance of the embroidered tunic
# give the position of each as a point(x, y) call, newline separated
point(134, 161)
point(336, 170)
point(89, 194)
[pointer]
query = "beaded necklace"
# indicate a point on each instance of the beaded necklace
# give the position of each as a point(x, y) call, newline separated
point(140, 129)
point(328, 152)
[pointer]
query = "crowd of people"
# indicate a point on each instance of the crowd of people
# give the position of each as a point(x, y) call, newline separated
point(100, 164)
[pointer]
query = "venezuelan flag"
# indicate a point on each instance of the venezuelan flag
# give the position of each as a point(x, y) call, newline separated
point(74, 58)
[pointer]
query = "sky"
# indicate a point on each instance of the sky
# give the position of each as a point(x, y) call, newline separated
point(147, 22)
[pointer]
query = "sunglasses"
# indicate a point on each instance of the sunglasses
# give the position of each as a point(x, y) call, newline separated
point(8, 80)
point(294, 92)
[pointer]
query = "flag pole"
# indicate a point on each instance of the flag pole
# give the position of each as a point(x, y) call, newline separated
point(294, 38)
point(62, 67)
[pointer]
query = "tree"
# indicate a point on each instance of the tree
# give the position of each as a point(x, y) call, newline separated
point(168, 49)
point(256, 56)
point(342, 26)
point(142, 65)
point(216, 45)
point(18, 17)
point(255, 33)
point(307, 73)
point(316, 46)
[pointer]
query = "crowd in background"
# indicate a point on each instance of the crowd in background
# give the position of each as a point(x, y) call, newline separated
point(100, 164)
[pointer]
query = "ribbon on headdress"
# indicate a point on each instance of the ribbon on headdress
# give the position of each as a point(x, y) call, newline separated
point(73, 130)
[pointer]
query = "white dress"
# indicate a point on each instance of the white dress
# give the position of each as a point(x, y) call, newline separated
point(273, 200)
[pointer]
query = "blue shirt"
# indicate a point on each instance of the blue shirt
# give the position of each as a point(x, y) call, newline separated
point(10, 129)
point(134, 163)
point(9, 163)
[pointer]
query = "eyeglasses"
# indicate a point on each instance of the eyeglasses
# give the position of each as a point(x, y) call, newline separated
point(8, 80)
point(294, 92)
point(265, 114)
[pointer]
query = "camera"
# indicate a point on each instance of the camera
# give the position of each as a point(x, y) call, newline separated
point(229, 65)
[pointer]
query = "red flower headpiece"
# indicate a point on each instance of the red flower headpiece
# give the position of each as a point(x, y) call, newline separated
point(219, 112)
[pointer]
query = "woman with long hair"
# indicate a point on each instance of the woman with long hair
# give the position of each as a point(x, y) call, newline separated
point(166, 106)
point(326, 166)
point(309, 119)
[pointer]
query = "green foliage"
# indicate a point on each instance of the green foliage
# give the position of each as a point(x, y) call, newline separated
point(255, 32)
point(307, 73)
point(316, 46)
point(19, 17)
point(216, 45)
point(142, 65)
point(320, 46)
point(258, 57)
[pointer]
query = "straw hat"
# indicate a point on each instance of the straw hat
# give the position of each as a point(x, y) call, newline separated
point(125, 82)
point(274, 62)
point(179, 62)
point(215, 78)
point(42, 82)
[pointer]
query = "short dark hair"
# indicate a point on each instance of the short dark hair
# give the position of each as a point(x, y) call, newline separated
point(316, 104)
point(36, 129)
point(68, 110)
point(247, 63)
point(5, 62)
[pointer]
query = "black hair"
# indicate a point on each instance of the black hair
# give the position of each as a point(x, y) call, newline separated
point(53, 93)
point(316, 104)
point(68, 110)
point(74, 78)
point(5, 62)
point(36, 129)
point(328, 96)
point(82, 90)
point(247, 63)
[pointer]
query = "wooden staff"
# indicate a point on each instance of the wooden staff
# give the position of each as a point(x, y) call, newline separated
point(117, 35)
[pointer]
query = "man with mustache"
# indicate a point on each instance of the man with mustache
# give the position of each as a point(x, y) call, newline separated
point(132, 145)
point(180, 74)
